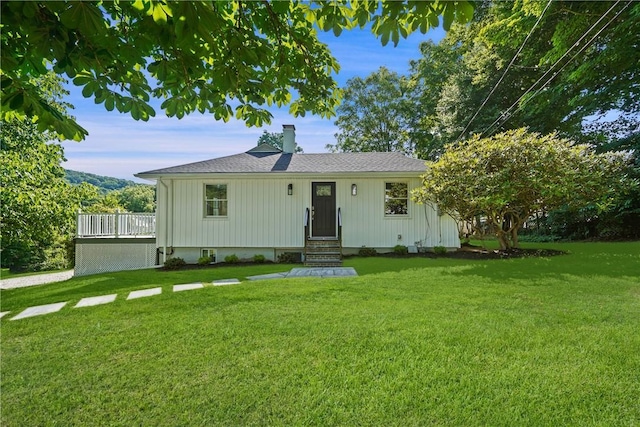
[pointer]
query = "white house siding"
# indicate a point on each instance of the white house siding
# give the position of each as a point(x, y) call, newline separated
point(365, 224)
point(262, 217)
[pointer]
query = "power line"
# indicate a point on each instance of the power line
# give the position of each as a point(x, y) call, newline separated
point(505, 71)
point(506, 115)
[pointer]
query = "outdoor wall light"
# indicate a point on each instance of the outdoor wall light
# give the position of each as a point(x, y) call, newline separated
point(290, 189)
point(354, 190)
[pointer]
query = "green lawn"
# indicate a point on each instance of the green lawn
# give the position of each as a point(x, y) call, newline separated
point(548, 341)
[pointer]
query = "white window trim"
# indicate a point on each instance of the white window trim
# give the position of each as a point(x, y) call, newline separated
point(384, 201)
point(205, 200)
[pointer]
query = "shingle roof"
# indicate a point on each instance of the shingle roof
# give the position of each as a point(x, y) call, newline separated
point(266, 162)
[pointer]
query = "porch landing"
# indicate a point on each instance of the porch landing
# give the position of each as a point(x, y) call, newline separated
point(310, 272)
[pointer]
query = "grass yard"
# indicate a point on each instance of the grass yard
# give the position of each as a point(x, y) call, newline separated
point(537, 341)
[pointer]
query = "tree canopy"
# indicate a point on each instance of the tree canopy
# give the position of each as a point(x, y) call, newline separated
point(510, 176)
point(564, 66)
point(224, 58)
point(549, 67)
point(371, 116)
point(37, 205)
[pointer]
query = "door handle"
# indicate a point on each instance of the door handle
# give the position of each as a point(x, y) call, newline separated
point(313, 213)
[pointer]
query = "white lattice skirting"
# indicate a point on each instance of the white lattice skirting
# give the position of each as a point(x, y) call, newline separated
point(105, 255)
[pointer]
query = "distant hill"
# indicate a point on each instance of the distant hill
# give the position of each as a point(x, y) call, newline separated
point(104, 183)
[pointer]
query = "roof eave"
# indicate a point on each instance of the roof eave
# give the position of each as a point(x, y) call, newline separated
point(209, 175)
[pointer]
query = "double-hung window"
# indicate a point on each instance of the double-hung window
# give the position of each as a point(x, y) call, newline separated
point(215, 200)
point(396, 199)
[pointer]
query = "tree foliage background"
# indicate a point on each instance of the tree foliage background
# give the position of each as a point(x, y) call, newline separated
point(37, 205)
point(563, 66)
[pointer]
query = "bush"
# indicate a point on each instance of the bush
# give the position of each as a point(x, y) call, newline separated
point(259, 258)
point(400, 250)
point(367, 252)
point(287, 258)
point(174, 263)
point(538, 238)
point(21, 256)
point(231, 259)
point(204, 260)
point(439, 250)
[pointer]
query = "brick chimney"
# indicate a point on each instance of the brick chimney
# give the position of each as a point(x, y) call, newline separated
point(289, 143)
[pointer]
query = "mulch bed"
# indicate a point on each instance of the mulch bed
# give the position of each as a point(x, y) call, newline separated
point(477, 252)
point(217, 265)
point(465, 252)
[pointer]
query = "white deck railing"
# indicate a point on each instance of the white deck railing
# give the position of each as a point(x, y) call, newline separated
point(116, 225)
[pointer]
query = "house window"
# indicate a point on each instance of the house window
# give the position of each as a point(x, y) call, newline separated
point(396, 198)
point(209, 253)
point(215, 200)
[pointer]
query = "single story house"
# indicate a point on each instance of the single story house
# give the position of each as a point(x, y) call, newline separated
point(317, 206)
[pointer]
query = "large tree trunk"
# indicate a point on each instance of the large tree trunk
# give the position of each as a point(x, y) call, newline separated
point(514, 237)
point(503, 240)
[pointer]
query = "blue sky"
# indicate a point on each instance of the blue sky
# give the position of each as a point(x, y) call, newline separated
point(119, 146)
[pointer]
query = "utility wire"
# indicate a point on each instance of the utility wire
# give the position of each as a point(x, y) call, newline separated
point(508, 113)
point(505, 71)
point(586, 45)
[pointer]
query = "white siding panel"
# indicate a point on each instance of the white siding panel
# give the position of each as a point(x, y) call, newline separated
point(364, 222)
point(262, 215)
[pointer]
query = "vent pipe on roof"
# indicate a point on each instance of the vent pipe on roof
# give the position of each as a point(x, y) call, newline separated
point(289, 142)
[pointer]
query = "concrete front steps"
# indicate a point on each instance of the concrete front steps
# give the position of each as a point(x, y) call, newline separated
point(323, 252)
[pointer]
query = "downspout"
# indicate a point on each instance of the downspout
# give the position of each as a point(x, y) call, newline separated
point(172, 212)
point(166, 220)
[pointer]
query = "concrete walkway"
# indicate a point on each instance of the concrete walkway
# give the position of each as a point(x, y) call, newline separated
point(36, 279)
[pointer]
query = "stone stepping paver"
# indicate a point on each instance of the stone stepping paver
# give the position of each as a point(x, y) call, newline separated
point(40, 309)
point(106, 299)
point(144, 293)
point(224, 282)
point(187, 287)
point(91, 301)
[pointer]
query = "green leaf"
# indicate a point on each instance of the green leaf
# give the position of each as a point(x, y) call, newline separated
point(85, 17)
point(385, 38)
point(433, 21)
point(447, 16)
point(135, 111)
point(5, 82)
point(395, 36)
point(159, 14)
point(16, 101)
point(109, 102)
point(465, 11)
point(140, 5)
point(87, 91)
